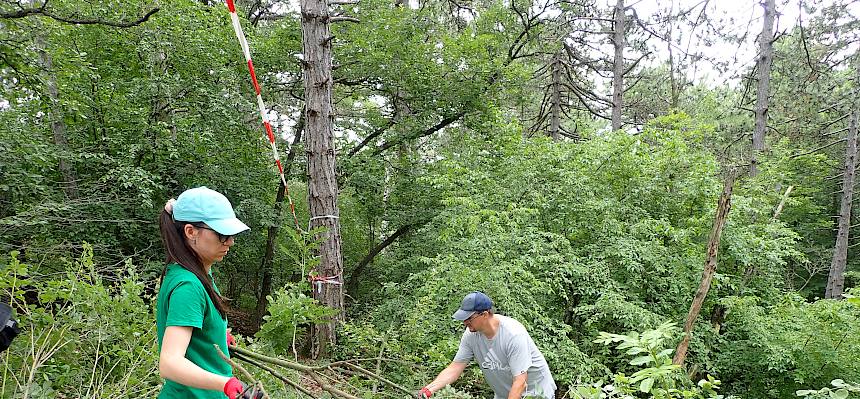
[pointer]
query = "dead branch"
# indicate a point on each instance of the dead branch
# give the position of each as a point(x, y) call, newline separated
point(320, 374)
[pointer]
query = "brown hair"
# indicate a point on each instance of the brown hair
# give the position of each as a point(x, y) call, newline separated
point(178, 251)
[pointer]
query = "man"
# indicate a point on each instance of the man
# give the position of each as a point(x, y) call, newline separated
point(502, 348)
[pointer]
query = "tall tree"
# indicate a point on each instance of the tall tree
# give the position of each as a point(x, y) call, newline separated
point(765, 60)
point(836, 278)
point(322, 179)
point(58, 124)
point(618, 43)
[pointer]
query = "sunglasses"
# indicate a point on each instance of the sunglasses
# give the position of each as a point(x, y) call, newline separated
point(221, 237)
point(472, 317)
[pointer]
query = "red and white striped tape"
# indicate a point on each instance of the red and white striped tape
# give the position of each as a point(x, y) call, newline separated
point(237, 27)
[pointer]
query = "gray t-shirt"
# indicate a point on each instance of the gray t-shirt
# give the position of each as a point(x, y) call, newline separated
point(510, 353)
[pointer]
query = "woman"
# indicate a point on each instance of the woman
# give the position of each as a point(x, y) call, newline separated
point(197, 230)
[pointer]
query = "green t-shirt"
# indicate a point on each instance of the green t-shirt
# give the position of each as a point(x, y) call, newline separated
point(182, 301)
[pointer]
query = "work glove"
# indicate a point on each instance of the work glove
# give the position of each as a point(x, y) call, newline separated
point(235, 389)
point(231, 340)
point(422, 393)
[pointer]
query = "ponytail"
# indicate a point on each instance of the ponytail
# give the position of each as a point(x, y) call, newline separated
point(178, 251)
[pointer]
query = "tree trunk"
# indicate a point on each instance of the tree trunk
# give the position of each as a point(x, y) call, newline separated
point(555, 110)
point(836, 279)
point(765, 59)
point(58, 126)
point(618, 41)
point(272, 233)
point(322, 182)
point(723, 208)
point(675, 86)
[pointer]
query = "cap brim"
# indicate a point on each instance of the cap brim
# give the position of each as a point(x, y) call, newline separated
point(227, 227)
point(462, 315)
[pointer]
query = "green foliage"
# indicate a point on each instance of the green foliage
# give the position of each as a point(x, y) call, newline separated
point(291, 311)
point(840, 390)
point(790, 344)
point(658, 378)
point(572, 239)
point(81, 336)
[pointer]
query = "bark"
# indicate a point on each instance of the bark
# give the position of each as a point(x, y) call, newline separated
point(779, 207)
point(673, 77)
point(162, 110)
point(618, 41)
point(272, 233)
point(836, 278)
point(58, 125)
point(765, 59)
point(723, 208)
point(322, 179)
point(555, 110)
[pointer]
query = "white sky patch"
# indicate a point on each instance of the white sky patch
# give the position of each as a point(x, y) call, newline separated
point(739, 18)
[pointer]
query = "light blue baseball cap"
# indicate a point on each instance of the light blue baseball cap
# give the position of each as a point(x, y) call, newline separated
point(205, 205)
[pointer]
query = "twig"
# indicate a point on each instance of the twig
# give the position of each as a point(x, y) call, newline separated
point(242, 370)
point(379, 378)
point(272, 360)
point(782, 203)
point(330, 388)
point(275, 374)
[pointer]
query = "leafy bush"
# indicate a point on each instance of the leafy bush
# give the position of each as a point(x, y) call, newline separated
point(82, 336)
point(659, 378)
point(840, 390)
point(788, 345)
point(290, 312)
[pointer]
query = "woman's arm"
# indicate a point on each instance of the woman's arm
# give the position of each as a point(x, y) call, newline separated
point(173, 365)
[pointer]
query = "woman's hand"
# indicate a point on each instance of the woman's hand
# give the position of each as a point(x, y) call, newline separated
point(235, 389)
point(231, 340)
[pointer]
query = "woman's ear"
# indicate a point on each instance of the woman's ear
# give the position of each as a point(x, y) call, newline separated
point(190, 232)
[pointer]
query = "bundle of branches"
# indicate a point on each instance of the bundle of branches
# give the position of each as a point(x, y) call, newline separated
point(329, 377)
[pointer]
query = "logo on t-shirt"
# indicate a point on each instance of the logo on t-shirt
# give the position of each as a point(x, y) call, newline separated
point(492, 362)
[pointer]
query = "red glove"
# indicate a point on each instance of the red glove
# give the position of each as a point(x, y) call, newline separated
point(233, 388)
point(231, 340)
point(425, 393)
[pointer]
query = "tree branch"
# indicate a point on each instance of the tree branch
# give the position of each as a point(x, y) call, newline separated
point(439, 126)
point(353, 278)
point(42, 10)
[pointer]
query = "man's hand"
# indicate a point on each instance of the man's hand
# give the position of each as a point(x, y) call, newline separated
point(423, 393)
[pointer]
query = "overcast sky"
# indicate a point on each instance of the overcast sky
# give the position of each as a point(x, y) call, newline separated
point(739, 17)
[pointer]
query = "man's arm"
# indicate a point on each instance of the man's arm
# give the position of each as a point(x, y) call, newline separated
point(518, 386)
point(447, 376)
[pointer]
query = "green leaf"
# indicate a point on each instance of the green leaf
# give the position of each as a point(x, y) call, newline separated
point(841, 393)
point(646, 385)
point(640, 360)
